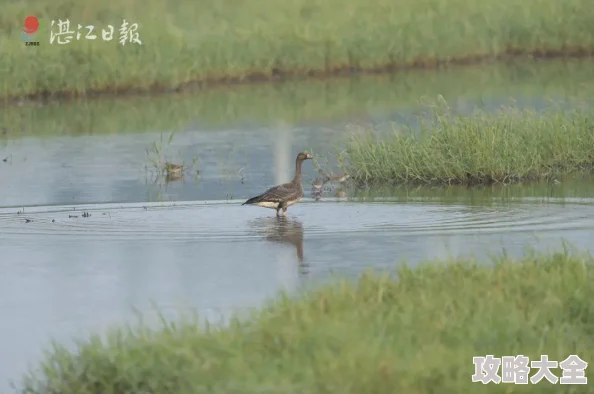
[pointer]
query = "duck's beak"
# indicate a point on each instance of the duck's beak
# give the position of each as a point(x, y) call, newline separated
point(308, 156)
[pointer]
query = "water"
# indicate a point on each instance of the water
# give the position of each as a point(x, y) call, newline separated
point(189, 245)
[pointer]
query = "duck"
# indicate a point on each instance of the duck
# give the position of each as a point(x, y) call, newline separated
point(173, 169)
point(340, 178)
point(319, 182)
point(282, 196)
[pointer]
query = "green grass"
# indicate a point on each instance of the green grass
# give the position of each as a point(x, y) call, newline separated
point(297, 103)
point(509, 145)
point(413, 334)
point(217, 40)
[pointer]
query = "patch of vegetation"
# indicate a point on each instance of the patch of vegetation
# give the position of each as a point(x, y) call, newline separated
point(506, 146)
point(414, 333)
point(202, 41)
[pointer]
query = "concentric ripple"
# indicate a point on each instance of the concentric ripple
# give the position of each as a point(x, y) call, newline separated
point(228, 220)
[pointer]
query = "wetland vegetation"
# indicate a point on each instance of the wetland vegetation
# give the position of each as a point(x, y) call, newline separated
point(186, 42)
point(414, 332)
point(505, 146)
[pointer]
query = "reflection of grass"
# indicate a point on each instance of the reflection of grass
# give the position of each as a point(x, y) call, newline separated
point(581, 187)
point(207, 40)
point(291, 103)
point(414, 334)
point(507, 146)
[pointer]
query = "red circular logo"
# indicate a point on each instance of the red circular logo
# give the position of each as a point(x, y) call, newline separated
point(31, 25)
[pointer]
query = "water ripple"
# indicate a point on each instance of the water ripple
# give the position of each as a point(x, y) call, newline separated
point(228, 220)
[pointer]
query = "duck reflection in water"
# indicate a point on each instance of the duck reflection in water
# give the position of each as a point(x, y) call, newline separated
point(282, 229)
point(173, 177)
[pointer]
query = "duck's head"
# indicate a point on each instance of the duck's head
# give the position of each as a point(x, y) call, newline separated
point(304, 156)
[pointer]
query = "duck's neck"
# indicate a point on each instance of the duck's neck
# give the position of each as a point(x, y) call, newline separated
point(297, 170)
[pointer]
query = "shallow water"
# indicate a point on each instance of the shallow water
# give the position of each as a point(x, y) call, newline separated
point(190, 245)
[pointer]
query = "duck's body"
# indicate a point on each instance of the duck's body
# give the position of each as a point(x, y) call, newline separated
point(340, 178)
point(172, 168)
point(282, 196)
point(320, 181)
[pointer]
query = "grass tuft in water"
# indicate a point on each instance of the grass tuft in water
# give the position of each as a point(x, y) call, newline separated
point(211, 41)
point(506, 146)
point(413, 334)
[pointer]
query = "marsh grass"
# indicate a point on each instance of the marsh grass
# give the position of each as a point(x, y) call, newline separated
point(412, 333)
point(203, 41)
point(505, 146)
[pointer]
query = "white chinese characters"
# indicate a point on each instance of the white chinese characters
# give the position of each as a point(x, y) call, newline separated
point(128, 33)
point(515, 369)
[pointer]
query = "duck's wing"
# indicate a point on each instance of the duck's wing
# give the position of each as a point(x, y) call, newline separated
point(280, 193)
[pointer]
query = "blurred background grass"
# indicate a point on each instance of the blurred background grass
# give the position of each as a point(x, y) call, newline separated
point(202, 40)
point(343, 100)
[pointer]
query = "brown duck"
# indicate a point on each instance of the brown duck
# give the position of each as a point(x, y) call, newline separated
point(173, 169)
point(282, 196)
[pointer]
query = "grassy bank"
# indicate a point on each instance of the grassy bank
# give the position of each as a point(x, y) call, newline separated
point(298, 103)
point(415, 334)
point(505, 146)
point(226, 40)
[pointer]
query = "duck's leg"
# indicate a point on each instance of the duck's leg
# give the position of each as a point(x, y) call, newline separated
point(284, 206)
point(278, 210)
